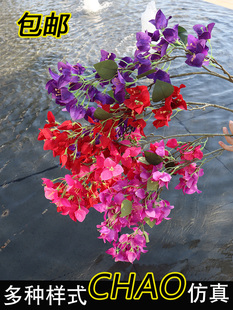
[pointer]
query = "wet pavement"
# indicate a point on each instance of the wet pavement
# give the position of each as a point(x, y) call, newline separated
point(37, 243)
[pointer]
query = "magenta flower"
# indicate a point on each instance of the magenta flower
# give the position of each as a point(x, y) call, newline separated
point(162, 177)
point(159, 211)
point(107, 233)
point(111, 169)
point(49, 190)
point(129, 247)
point(188, 183)
point(158, 148)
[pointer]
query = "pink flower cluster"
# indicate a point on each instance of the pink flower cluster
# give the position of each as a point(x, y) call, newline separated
point(118, 179)
point(136, 202)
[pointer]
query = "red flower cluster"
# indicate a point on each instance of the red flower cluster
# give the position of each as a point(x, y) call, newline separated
point(92, 154)
point(172, 102)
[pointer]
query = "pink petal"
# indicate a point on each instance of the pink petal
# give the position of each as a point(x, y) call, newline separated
point(117, 170)
point(165, 177)
point(69, 180)
point(100, 207)
point(81, 214)
point(47, 182)
point(140, 193)
point(106, 175)
point(108, 163)
point(131, 256)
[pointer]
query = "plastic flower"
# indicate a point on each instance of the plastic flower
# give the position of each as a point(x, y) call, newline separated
point(143, 62)
point(158, 211)
point(188, 183)
point(162, 178)
point(160, 49)
point(162, 115)
point(172, 102)
point(172, 143)
point(190, 153)
point(67, 69)
point(129, 247)
point(171, 34)
point(107, 233)
point(198, 50)
point(57, 88)
point(76, 111)
point(106, 55)
point(119, 86)
point(111, 169)
point(143, 41)
point(160, 21)
point(139, 98)
point(158, 148)
point(204, 32)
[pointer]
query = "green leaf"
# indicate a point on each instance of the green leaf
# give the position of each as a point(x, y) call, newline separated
point(153, 158)
point(152, 186)
point(148, 222)
point(143, 160)
point(111, 93)
point(126, 207)
point(161, 90)
point(183, 34)
point(146, 73)
point(106, 69)
point(101, 114)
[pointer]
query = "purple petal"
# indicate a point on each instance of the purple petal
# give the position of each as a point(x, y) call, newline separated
point(195, 60)
point(77, 112)
point(105, 55)
point(160, 20)
point(54, 75)
point(66, 96)
point(162, 76)
point(154, 36)
point(62, 81)
point(170, 35)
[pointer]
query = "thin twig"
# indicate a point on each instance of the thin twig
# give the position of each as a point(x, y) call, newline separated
point(205, 105)
point(201, 72)
point(223, 69)
point(210, 135)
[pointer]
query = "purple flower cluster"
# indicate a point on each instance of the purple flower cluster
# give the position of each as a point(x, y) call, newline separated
point(72, 80)
point(145, 55)
point(73, 86)
point(149, 51)
point(198, 50)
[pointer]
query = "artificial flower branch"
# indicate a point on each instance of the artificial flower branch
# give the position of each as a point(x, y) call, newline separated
point(113, 166)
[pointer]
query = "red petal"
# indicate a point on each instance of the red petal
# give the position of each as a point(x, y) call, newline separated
point(51, 117)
